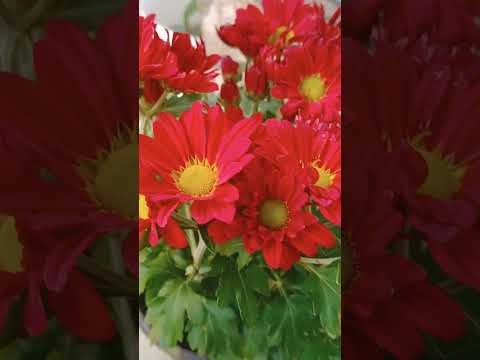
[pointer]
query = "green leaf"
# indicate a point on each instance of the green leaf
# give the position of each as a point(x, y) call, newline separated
point(324, 285)
point(291, 323)
point(158, 267)
point(258, 279)
point(177, 105)
point(235, 246)
point(213, 337)
point(167, 313)
point(270, 107)
point(234, 289)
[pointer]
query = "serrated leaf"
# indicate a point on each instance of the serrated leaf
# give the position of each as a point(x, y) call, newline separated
point(213, 336)
point(235, 246)
point(167, 313)
point(234, 289)
point(324, 285)
point(154, 268)
point(258, 279)
point(291, 322)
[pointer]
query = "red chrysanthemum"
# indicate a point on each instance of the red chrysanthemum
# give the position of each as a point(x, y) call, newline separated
point(281, 22)
point(271, 218)
point(192, 160)
point(310, 82)
point(156, 60)
point(76, 305)
point(386, 298)
point(313, 156)
point(98, 141)
point(196, 71)
point(421, 108)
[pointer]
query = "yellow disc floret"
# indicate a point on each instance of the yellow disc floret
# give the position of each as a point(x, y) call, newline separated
point(325, 176)
point(143, 211)
point(313, 87)
point(116, 182)
point(197, 178)
point(12, 250)
point(273, 214)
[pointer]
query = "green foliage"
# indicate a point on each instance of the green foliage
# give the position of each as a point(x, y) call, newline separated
point(242, 311)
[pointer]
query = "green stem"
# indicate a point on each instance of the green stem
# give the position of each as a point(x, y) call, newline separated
point(318, 261)
point(32, 16)
point(199, 251)
point(158, 105)
point(125, 323)
point(188, 232)
point(106, 277)
point(6, 15)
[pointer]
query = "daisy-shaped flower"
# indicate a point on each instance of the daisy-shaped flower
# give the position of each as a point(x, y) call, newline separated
point(271, 218)
point(386, 298)
point(310, 82)
point(156, 60)
point(25, 256)
point(196, 70)
point(95, 114)
point(281, 22)
point(191, 160)
point(428, 110)
point(313, 156)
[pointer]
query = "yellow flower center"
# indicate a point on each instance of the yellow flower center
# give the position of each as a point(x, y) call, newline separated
point(325, 176)
point(197, 178)
point(279, 32)
point(143, 211)
point(273, 214)
point(313, 87)
point(444, 176)
point(12, 250)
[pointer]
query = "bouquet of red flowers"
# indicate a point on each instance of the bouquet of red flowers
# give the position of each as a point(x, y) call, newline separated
point(240, 188)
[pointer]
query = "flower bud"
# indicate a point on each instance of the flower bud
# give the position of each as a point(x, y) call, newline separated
point(229, 68)
point(256, 81)
point(230, 93)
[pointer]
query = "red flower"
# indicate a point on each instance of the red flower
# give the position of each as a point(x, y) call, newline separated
point(99, 136)
point(192, 160)
point(428, 101)
point(281, 22)
point(76, 305)
point(230, 93)
point(172, 233)
point(229, 68)
point(386, 298)
point(271, 218)
point(156, 60)
point(310, 82)
point(314, 157)
point(196, 72)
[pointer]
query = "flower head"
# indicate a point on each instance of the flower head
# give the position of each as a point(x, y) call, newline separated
point(313, 156)
point(193, 159)
point(309, 80)
point(271, 218)
point(280, 23)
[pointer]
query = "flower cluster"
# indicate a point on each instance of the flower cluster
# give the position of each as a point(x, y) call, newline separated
point(238, 175)
point(240, 189)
